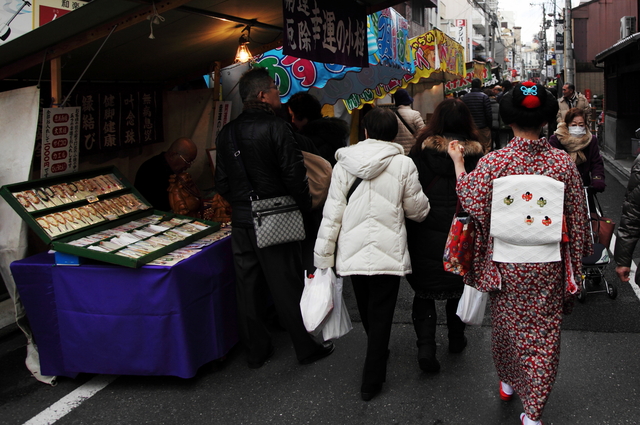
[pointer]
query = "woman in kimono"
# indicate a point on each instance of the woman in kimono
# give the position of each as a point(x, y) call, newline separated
point(527, 296)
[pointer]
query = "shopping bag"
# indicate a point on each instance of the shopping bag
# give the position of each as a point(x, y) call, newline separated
point(317, 299)
point(458, 250)
point(472, 305)
point(603, 228)
point(339, 323)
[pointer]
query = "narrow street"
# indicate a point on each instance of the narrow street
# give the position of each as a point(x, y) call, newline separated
point(598, 381)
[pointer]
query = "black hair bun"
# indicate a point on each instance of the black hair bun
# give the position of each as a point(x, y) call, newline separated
point(529, 95)
point(529, 105)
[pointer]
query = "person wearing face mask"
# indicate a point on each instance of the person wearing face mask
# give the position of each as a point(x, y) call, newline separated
point(574, 137)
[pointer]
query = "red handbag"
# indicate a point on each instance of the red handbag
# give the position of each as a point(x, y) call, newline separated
point(458, 251)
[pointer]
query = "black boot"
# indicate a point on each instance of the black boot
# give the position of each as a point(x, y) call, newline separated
point(424, 322)
point(457, 340)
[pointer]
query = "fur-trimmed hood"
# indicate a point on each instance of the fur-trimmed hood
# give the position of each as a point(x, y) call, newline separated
point(441, 145)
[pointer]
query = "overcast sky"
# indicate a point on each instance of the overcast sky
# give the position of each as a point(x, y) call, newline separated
point(530, 17)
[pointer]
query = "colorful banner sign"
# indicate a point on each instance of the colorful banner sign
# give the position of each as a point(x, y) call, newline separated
point(329, 31)
point(116, 117)
point(432, 51)
point(60, 141)
point(388, 40)
point(293, 75)
point(479, 70)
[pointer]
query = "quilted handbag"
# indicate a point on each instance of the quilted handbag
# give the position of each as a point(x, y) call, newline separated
point(277, 220)
point(458, 251)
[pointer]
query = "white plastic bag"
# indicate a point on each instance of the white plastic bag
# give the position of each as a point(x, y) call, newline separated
point(317, 299)
point(472, 305)
point(339, 323)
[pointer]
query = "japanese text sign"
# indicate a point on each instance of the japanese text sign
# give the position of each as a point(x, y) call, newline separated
point(60, 141)
point(115, 117)
point(329, 31)
point(388, 40)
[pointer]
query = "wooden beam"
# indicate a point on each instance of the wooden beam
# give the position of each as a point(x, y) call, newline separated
point(56, 81)
point(216, 81)
point(88, 36)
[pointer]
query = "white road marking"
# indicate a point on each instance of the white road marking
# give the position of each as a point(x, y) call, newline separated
point(72, 400)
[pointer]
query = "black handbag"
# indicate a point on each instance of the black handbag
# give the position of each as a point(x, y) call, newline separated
point(276, 220)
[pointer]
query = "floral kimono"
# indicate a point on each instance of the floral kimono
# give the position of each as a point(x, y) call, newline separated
point(526, 298)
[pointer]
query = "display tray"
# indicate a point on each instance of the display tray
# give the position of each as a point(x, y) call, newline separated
point(98, 214)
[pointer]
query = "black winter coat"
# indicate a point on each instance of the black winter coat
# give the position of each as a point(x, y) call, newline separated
point(271, 158)
point(328, 134)
point(480, 107)
point(427, 239)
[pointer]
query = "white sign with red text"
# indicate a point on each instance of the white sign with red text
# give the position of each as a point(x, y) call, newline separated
point(60, 141)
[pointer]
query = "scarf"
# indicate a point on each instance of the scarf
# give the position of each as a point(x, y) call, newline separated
point(572, 144)
point(256, 104)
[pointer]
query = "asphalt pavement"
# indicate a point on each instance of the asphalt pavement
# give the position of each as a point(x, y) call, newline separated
point(598, 380)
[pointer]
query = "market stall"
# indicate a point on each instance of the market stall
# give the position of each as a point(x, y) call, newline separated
point(152, 320)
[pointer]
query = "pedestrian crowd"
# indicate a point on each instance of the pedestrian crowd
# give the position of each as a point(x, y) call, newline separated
point(391, 200)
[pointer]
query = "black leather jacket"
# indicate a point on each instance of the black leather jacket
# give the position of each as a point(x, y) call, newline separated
point(271, 159)
point(629, 229)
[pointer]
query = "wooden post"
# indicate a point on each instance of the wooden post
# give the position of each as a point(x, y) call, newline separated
point(56, 81)
point(216, 81)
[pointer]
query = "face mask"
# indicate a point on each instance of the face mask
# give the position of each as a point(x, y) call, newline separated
point(577, 131)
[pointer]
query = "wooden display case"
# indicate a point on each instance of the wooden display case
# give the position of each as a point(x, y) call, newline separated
point(98, 214)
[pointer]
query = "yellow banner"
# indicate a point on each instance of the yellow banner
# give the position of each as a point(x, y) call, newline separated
point(432, 51)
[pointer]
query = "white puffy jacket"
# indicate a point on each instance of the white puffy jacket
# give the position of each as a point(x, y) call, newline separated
point(370, 231)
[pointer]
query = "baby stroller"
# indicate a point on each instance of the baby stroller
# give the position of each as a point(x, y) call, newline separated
point(593, 266)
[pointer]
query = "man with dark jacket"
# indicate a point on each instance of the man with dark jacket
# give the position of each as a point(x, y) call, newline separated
point(480, 107)
point(328, 133)
point(258, 155)
point(629, 229)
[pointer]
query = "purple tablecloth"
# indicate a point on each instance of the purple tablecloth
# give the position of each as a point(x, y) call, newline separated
point(107, 319)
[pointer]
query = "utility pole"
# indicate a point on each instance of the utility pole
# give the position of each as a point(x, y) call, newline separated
point(569, 73)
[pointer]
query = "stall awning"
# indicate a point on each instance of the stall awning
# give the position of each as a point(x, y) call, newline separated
point(437, 58)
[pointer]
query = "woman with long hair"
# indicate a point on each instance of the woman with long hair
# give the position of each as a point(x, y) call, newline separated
point(528, 204)
point(451, 120)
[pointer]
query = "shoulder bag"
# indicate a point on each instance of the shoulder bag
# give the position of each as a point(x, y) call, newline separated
point(276, 220)
point(319, 175)
point(458, 250)
point(404, 122)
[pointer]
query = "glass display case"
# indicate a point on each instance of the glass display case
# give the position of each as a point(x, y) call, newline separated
point(98, 214)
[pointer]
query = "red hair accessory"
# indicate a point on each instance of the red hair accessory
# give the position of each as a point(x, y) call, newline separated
point(530, 92)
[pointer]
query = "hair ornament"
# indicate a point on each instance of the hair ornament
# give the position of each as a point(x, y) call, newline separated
point(530, 92)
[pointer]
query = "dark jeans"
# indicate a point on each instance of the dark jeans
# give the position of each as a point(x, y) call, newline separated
point(376, 298)
point(277, 269)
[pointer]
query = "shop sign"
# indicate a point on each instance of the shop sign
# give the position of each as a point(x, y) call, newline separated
point(388, 40)
point(480, 70)
point(432, 51)
point(60, 141)
point(45, 11)
point(116, 117)
point(329, 31)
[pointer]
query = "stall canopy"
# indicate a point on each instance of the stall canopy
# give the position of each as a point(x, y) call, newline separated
point(189, 37)
point(434, 57)
point(389, 57)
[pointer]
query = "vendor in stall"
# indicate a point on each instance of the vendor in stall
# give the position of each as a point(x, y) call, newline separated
point(152, 178)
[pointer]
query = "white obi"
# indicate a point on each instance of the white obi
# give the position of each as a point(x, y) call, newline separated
point(526, 219)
